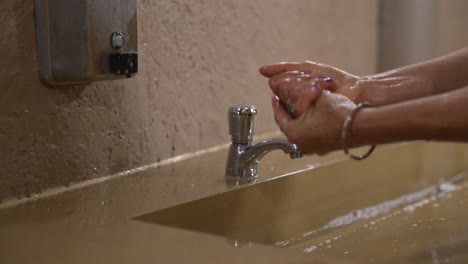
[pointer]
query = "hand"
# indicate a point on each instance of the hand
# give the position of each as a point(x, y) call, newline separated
point(318, 130)
point(300, 84)
point(299, 90)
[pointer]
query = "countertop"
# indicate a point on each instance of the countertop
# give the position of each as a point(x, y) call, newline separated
point(93, 222)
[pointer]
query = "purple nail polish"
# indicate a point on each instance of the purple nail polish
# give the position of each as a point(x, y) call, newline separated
point(328, 80)
point(315, 88)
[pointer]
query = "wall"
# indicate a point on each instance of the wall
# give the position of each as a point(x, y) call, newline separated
point(197, 59)
point(417, 30)
point(407, 32)
point(451, 30)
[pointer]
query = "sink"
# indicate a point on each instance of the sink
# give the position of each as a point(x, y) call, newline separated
point(289, 210)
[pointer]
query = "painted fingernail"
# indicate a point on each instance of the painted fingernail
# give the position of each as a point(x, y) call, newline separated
point(328, 80)
point(290, 106)
point(315, 88)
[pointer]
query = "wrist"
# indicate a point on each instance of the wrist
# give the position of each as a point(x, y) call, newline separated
point(388, 123)
point(393, 87)
point(358, 129)
point(369, 89)
point(345, 134)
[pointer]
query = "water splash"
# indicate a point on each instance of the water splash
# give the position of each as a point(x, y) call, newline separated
point(411, 200)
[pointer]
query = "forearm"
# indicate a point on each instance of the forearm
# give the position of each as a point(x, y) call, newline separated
point(419, 80)
point(442, 117)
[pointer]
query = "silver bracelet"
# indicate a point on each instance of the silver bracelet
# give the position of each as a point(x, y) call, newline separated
point(345, 128)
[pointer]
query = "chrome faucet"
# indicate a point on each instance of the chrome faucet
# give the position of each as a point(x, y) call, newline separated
point(243, 157)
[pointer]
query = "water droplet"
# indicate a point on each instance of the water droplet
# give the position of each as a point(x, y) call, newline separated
point(310, 249)
point(328, 241)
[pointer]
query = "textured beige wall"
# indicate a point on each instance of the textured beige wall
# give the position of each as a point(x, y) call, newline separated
point(417, 30)
point(452, 26)
point(197, 59)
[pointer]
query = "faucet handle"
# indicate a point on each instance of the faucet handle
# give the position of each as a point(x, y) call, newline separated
point(242, 123)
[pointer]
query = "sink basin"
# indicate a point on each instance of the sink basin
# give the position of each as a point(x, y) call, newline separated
point(289, 210)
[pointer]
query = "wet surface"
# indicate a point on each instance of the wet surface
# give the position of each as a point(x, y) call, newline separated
point(431, 230)
point(392, 207)
point(369, 204)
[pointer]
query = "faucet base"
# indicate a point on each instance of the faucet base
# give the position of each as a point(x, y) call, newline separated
point(243, 172)
point(236, 181)
point(234, 168)
point(241, 178)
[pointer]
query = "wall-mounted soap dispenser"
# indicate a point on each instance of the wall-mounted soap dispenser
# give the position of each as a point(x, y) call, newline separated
point(81, 41)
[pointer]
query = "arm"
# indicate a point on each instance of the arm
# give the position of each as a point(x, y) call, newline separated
point(442, 117)
point(414, 81)
point(432, 77)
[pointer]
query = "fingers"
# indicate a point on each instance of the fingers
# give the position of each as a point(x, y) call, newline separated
point(288, 79)
point(308, 67)
point(282, 117)
point(298, 91)
point(275, 69)
point(327, 84)
point(287, 86)
point(309, 94)
point(302, 98)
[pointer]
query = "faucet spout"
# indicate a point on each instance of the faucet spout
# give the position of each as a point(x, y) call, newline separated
point(243, 159)
point(253, 154)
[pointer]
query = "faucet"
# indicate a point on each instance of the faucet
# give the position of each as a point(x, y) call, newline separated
point(243, 157)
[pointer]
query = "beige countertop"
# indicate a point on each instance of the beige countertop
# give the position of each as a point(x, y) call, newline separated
point(92, 223)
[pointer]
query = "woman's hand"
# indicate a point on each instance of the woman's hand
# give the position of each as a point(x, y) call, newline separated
point(403, 84)
point(318, 130)
point(300, 84)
